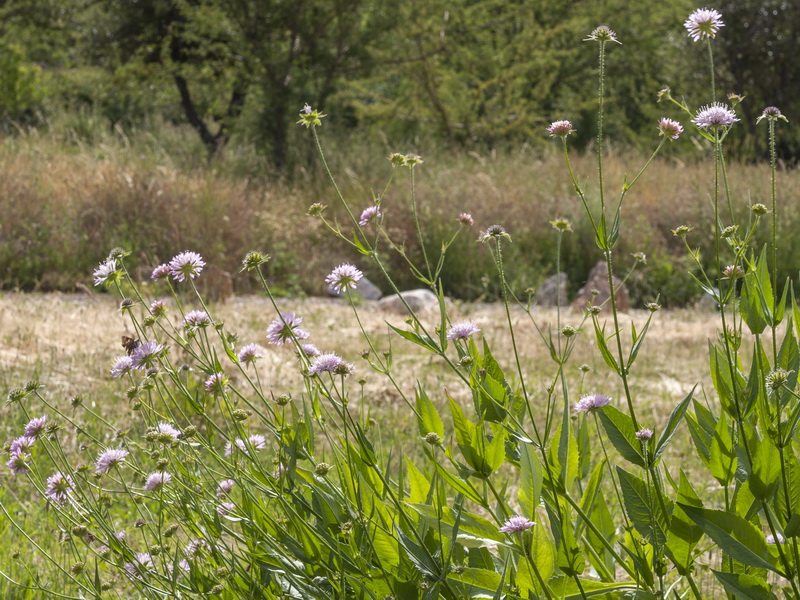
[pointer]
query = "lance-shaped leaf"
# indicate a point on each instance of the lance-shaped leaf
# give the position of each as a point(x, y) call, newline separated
point(644, 508)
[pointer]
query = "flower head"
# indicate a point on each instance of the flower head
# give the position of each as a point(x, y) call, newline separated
point(310, 350)
point(343, 277)
point(18, 462)
point(370, 213)
point(669, 128)
point(254, 259)
point(146, 355)
point(226, 508)
point(714, 116)
point(703, 23)
point(224, 487)
point(121, 366)
point(461, 330)
point(161, 272)
point(466, 219)
point(644, 434)
point(35, 426)
point(249, 354)
point(107, 273)
point(330, 363)
point(186, 264)
point(560, 129)
point(772, 114)
point(109, 459)
point(517, 524)
point(732, 272)
point(772, 539)
point(285, 328)
point(158, 308)
point(164, 433)
point(309, 117)
point(495, 232)
point(257, 441)
point(591, 402)
point(142, 562)
point(157, 480)
point(561, 225)
point(59, 488)
point(25, 442)
point(602, 34)
point(196, 319)
point(216, 384)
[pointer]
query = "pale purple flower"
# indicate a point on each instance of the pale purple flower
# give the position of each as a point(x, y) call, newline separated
point(183, 568)
point(146, 354)
point(35, 426)
point(310, 350)
point(59, 488)
point(714, 116)
point(249, 354)
point(186, 264)
point(343, 277)
point(158, 308)
point(109, 459)
point(517, 524)
point(591, 402)
point(216, 383)
point(106, 273)
point(466, 219)
point(141, 562)
point(122, 365)
point(196, 319)
point(160, 272)
point(166, 432)
point(22, 443)
point(330, 363)
point(155, 481)
point(370, 213)
point(257, 441)
point(732, 272)
point(119, 535)
point(644, 434)
point(195, 546)
point(669, 128)
point(224, 487)
point(560, 129)
point(226, 508)
point(18, 462)
point(285, 328)
point(772, 113)
point(703, 23)
point(461, 330)
point(279, 471)
point(771, 539)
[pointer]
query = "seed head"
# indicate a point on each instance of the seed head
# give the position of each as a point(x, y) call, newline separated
point(254, 259)
point(602, 34)
point(772, 114)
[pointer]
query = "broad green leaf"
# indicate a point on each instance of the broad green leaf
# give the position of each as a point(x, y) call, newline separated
point(473, 530)
point(569, 557)
point(590, 494)
point(567, 589)
point(428, 418)
point(735, 536)
point(530, 479)
point(419, 486)
point(745, 587)
point(543, 553)
point(750, 305)
point(496, 451)
point(476, 580)
point(766, 470)
point(674, 420)
point(459, 485)
point(620, 431)
point(722, 459)
point(385, 547)
point(602, 345)
point(420, 340)
point(555, 453)
point(644, 509)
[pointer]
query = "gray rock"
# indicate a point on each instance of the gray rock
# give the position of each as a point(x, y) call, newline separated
point(366, 289)
point(418, 300)
point(706, 302)
point(596, 290)
point(553, 291)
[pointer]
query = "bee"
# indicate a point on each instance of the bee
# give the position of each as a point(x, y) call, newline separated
point(130, 344)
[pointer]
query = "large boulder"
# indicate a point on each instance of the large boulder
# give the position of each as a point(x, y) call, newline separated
point(596, 291)
point(553, 291)
point(366, 289)
point(418, 300)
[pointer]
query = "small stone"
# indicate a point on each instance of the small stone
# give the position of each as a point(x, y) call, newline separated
point(596, 291)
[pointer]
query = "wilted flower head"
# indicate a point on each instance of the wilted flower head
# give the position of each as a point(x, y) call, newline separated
point(732, 272)
point(714, 116)
point(18, 462)
point(59, 488)
point(330, 363)
point(368, 214)
point(249, 354)
point(22, 443)
point(495, 232)
point(669, 128)
point(106, 273)
point(253, 260)
point(224, 487)
point(560, 129)
point(109, 459)
point(703, 23)
point(146, 355)
point(35, 426)
point(517, 524)
point(216, 384)
point(591, 402)
point(602, 34)
point(461, 330)
point(160, 272)
point(466, 219)
point(309, 117)
point(157, 480)
point(186, 264)
point(196, 319)
point(772, 114)
point(285, 328)
point(644, 434)
point(158, 308)
point(343, 277)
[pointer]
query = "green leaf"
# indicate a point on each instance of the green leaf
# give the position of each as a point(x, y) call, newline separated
point(423, 341)
point(530, 479)
point(543, 553)
point(428, 418)
point(750, 305)
point(495, 453)
point(473, 531)
point(766, 470)
point(477, 580)
point(735, 536)
point(590, 494)
point(600, 337)
point(459, 485)
point(419, 486)
point(674, 420)
point(643, 507)
point(569, 557)
point(722, 457)
point(745, 587)
point(620, 431)
point(567, 589)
